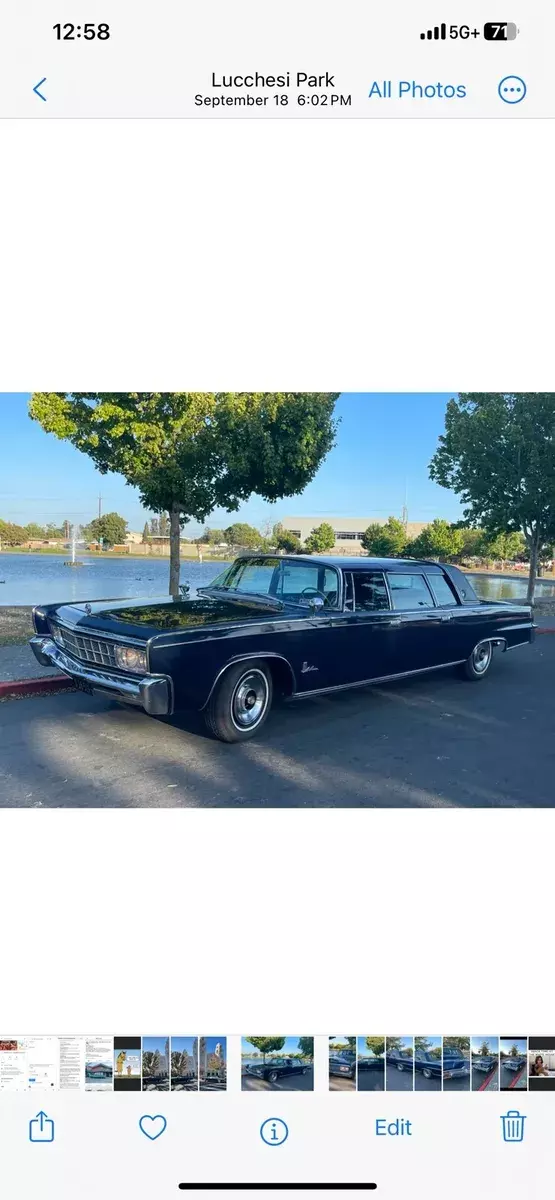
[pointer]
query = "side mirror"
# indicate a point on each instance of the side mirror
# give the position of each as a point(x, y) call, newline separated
point(316, 603)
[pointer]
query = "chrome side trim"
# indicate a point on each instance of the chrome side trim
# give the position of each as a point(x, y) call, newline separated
point(515, 644)
point(341, 687)
point(245, 658)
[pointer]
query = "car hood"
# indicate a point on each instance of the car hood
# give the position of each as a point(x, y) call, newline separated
point(144, 618)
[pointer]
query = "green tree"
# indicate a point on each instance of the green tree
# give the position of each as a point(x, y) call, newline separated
point(283, 539)
point(34, 531)
point(306, 1047)
point(109, 530)
point(243, 536)
point(266, 1045)
point(321, 539)
point(457, 1043)
point(385, 541)
point(212, 537)
point(376, 1045)
point(437, 540)
point(191, 452)
point(504, 546)
point(12, 535)
point(498, 454)
point(146, 534)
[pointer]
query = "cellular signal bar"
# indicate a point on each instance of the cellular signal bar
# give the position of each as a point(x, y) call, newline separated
point(438, 33)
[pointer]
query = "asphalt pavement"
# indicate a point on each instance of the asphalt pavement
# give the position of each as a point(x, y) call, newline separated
point(431, 741)
point(398, 1081)
point(371, 1080)
point(341, 1083)
point(285, 1083)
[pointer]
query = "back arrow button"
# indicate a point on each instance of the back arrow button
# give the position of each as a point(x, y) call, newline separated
point(37, 86)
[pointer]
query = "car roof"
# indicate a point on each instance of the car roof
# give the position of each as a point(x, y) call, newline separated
point(405, 565)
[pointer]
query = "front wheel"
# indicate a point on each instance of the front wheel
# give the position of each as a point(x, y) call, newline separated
point(478, 663)
point(240, 702)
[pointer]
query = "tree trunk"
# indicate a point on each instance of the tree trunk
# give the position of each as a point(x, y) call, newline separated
point(534, 549)
point(175, 531)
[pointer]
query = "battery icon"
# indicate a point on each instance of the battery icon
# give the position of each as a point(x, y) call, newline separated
point(500, 31)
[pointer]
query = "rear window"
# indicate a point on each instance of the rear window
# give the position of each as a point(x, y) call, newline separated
point(409, 592)
point(442, 591)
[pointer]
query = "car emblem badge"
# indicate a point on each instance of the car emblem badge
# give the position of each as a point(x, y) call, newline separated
point(306, 667)
point(88, 609)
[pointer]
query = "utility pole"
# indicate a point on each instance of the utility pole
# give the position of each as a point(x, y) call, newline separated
point(405, 513)
point(99, 505)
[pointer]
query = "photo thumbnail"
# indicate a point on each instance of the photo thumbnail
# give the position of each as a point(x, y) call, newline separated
point(456, 1064)
point(485, 1064)
point(428, 1064)
point(541, 1064)
point(156, 1064)
point(184, 1064)
point(342, 1063)
point(370, 1064)
point(271, 1064)
point(399, 1064)
point(212, 1064)
point(513, 1063)
point(127, 1064)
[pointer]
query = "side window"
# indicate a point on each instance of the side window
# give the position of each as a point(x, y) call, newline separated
point(442, 592)
point(301, 580)
point(370, 591)
point(409, 592)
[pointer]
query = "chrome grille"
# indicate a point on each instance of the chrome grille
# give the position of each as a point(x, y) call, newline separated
point(81, 646)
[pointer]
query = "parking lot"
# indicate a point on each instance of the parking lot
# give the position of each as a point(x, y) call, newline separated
point(512, 1080)
point(428, 741)
point(398, 1081)
point(286, 1083)
point(371, 1080)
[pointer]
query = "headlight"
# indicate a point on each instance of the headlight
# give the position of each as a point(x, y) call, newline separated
point(58, 635)
point(130, 659)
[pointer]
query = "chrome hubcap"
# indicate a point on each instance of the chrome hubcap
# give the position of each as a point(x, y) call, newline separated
point(249, 700)
point(481, 657)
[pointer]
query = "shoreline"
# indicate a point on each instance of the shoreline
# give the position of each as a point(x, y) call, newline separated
point(16, 626)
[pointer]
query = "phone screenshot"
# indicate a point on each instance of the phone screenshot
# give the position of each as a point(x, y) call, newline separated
point(277, 599)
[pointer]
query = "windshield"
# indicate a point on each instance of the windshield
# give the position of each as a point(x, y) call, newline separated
point(293, 582)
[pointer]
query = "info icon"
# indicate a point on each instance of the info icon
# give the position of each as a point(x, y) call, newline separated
point(274, 1131)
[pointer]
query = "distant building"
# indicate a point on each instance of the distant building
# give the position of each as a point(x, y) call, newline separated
point(348, 530)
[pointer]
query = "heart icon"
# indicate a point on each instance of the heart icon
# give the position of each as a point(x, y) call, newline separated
point(152, 1127)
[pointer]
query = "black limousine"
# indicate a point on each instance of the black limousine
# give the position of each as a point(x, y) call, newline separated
point(296, 626)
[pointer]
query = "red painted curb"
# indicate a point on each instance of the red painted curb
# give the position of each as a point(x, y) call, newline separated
point(545, 631)
point(33, 687)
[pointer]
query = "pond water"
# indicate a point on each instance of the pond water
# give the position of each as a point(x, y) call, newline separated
point(41, 579)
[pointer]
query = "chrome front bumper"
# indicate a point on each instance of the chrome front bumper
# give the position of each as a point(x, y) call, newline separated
point(151, 692)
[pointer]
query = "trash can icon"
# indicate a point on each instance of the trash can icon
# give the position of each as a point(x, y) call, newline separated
point(513, 1126)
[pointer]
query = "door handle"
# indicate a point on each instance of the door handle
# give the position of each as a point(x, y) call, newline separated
point(395, 621)
point(447, 616)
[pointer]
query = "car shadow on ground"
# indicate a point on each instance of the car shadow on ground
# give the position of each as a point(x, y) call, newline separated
point(431, 741)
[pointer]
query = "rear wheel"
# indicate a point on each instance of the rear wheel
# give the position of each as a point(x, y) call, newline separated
point(240, 702)
point(479, 662)
point(273, 1076)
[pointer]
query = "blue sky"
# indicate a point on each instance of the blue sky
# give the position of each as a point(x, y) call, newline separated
point(362, 1048)
point(183, 1043)
point(212, 1042)
point(476, 1044)
point(291, 1046)
point(435, 1042)
point(384, 444)
point(155, 1043)
point(507, 1044)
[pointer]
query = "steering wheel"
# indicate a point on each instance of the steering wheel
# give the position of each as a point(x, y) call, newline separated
point(315, 592)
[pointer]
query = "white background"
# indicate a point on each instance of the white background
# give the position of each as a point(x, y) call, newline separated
point(309, 255)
